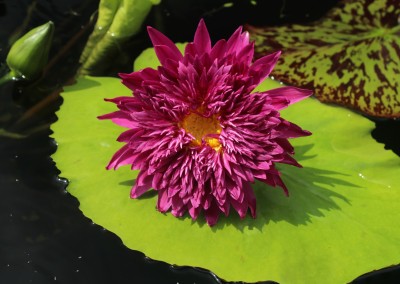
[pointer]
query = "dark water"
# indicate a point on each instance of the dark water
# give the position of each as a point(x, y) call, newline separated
point(44, 237)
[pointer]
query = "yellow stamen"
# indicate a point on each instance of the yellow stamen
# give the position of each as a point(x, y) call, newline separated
point(200, 127)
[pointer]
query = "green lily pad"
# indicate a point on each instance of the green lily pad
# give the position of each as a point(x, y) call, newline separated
point(350, 57)
point(339, 221)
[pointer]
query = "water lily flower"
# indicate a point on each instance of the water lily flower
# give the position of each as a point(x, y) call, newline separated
point(198, 134)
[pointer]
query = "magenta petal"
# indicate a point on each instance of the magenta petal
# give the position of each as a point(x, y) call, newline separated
point(157, 38)
point(279, 182)
point(202, 40)
point(139, 76)
point(190, 50)
point(262, 67)
point(251, 199)
point(246, 54)
point(114, 163)
point(212, 215)
point(240, 207)
point(164, 54)
point(225, 208)
point(218, 50)
point(164, 202)
point(119, 118)
point(291, 94)
point(237, 41)
point(172, 191)
point(235, 37)
point(194, 212)
point(143, 184)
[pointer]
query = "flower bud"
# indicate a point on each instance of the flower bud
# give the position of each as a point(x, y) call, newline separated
point(29, 54)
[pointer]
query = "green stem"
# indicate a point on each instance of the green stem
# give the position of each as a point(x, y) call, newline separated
point(5, 133)
point(7, 77)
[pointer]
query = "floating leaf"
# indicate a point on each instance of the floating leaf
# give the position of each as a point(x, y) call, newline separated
point(350, 57)
point(340, 220)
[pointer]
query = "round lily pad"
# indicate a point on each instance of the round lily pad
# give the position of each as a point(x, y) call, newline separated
point(339, 221)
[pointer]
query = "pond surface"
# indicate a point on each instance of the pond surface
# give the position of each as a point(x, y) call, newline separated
point(44, 236)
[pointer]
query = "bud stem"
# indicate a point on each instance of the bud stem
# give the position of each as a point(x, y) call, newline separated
point(7, 77)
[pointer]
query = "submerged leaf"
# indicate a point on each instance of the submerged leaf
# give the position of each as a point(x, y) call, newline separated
point(350, 57)
point(342, 210)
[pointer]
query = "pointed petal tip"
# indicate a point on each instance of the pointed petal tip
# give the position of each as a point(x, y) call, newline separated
point(263, 66)
point(124, 75)
point(211, 222)
point(307, 133)
point(304, 92)
point(133, 194)
point(151, 30)
point(202, 26)
point(285, 189)
point(159, 39)
point(111, 165)
point(276, 55)
point(202, 39)
point(202, 22)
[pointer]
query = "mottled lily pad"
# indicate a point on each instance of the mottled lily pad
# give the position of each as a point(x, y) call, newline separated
point(339, 221)
point(350, 57)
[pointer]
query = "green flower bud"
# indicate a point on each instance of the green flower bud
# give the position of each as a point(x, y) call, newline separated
point(29, 54)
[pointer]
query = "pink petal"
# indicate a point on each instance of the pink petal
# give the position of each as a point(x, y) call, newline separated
point(202, 40)
point(237, 41)
point(164, 54)
point(246, 54)
point(212, 214)
point(164, 202)
point(278, 181)
point(291, 94)
point(113, 164)
point(143, 184)
point(158, 39)
point(218, 50)
point(250, 197)
point(119, 118)
point(190, 49)
point(193, 212)
point(262, 67)
point(240, 207)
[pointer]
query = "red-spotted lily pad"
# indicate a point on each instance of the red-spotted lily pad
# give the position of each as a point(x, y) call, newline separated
point(350, 57)
point(339, 221)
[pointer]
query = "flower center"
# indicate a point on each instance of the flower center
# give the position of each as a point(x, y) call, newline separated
point(203, 128)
